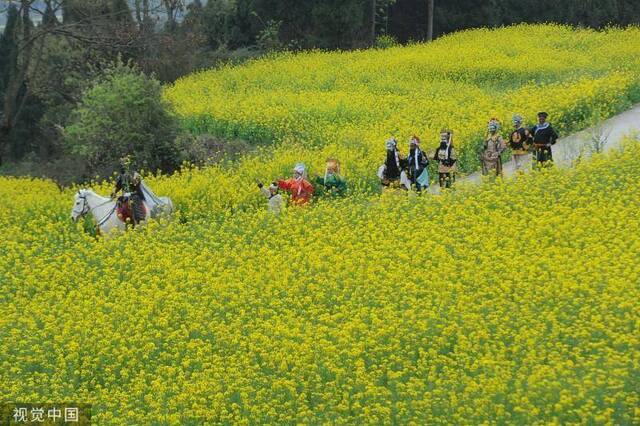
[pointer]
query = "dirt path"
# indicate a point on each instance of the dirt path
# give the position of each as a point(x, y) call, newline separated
point(610, 133)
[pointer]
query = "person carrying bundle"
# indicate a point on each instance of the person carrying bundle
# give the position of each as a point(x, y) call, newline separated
point(447, 158)
point(274, 199)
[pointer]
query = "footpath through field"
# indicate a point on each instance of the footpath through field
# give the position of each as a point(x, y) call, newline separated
point(608, 135)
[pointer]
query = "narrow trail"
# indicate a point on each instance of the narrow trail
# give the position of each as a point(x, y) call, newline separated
point(609, 134)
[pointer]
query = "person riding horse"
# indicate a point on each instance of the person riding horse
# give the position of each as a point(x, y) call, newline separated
point(129, 205)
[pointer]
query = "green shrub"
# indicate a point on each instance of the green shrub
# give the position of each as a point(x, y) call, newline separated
point(385, 41)
point(123, 113)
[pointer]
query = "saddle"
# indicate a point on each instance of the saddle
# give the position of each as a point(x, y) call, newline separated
point(130, 207)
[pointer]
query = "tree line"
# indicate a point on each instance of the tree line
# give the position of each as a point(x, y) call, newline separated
point(56, 60)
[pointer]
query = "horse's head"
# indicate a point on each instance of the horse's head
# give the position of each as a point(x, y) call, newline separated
point(80, 205)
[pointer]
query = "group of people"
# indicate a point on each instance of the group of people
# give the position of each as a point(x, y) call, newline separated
point(301, 189)
point(411, 172)
point(522, 140)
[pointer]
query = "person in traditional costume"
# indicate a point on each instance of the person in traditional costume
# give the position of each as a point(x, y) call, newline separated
point(331, 183)
point(417, 163)
point(130, 204)
point(520, 141)
point(492, 150)
point(447, 158)
point(300, 188)
point(274, 199)
point(391, 172)
point(544, 136)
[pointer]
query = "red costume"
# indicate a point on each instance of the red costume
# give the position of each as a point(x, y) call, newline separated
point(301, 190)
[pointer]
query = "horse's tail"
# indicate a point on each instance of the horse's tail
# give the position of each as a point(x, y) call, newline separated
point(163, 207)
point(168, 203)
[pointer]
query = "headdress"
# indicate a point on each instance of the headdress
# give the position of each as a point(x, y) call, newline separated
point(333, 165)
point(493, 125)
point(391, 144)
point(446, 133)
point(299, 168)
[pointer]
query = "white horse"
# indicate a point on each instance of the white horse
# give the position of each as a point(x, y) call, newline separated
point(103, 209)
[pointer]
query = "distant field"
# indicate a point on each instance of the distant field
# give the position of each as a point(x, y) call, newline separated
point(349, 103)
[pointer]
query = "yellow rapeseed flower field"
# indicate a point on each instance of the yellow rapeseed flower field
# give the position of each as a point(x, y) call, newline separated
point(516, 302)
point(513, 303)
point(310, 106)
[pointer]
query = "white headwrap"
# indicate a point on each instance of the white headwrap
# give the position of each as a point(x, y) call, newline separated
point(299, 168)
point(391, 143)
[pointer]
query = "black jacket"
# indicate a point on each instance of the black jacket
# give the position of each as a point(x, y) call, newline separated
point(546, 136)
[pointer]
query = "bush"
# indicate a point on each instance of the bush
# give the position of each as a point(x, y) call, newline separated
point(123, 113)
point(206, 149)
point(63, 170)
point(385, 41)
point(268, 39)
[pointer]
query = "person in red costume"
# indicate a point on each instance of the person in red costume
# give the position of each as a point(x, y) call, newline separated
point(299, 187)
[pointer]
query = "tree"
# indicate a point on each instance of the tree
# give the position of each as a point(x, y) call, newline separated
point(172, 8)
point(142, 10)
point(18, 60)
point(379, 9)
point(194, 19)
point(8, 47)
point(103, 27)
point(628, 12)
point(124, 113)
point(18, 109)
point(232, 24)
point(49, 18)
point(374, 15)
point(430, 9)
